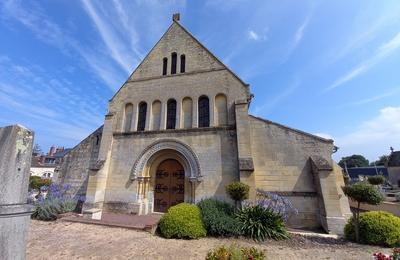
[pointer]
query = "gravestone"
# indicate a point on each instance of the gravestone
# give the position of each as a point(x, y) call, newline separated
point(15, 160)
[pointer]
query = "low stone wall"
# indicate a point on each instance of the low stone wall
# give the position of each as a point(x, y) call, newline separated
point(392, 207)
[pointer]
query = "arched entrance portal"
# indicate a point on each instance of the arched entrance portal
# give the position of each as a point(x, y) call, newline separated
point(169, 185)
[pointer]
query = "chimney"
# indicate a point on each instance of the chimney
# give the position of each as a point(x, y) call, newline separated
point(52, 149)
point(59, 149)
point(176, 17)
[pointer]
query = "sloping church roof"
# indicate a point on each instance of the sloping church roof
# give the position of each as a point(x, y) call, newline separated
point(175, 22)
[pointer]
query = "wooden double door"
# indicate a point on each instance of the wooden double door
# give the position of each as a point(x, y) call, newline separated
point(169, 185)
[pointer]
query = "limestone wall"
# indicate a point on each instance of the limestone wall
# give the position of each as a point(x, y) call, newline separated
point(282, 164)
point(75, 167)
point(215, 149)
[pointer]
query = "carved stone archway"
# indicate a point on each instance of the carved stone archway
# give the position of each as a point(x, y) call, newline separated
point(161, 150)
point(167, 144)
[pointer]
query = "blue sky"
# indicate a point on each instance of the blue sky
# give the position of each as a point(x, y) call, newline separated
point(330, 68)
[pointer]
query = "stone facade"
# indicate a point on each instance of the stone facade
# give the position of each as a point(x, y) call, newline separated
point(209, 133)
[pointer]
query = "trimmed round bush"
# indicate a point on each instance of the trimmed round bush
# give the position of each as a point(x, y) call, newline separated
point(376, 228)
point(219, 218)
point(182, 221)
point(238, 191)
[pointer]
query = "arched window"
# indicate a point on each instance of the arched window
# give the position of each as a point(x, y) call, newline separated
point(187, 112)
point(142, 116)
point(128, 117)
point(156, 115)
point(221, 115)
point(171, 114)
point(173, 63)
point(204, 112)
point(183, 61)
point(165, 65)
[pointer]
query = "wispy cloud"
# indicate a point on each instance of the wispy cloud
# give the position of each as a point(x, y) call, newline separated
point(382, 52)
point(33, 18)
point(110, 38)
point(253, 35)
point(376, 98)
point(300, 31)
point(272, 103)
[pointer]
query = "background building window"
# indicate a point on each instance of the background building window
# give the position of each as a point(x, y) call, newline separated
point(165, 65)
point(171, 114)
point(173, 63)
point(183, 61)
point(204, 112)
point(142, 116)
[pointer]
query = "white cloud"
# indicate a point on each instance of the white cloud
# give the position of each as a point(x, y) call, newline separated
point(373, 137)
point(253, 35)
point(382, 52)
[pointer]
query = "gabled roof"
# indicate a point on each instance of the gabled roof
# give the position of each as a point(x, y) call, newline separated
point(367, 171)
point(175, 22)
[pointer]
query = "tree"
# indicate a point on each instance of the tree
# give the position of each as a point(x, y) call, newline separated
point(362, 192)
point(381, 161)
point(355, 160)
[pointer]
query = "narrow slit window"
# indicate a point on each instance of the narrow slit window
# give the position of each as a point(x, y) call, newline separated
point(142, 116)
point(165, 66)
point(183, 61)
point(173, 63)
point(171, 114)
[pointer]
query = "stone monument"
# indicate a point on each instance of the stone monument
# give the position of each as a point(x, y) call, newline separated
point(15, 159)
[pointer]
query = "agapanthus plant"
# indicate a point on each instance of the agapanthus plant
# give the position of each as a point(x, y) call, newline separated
point(278, 204)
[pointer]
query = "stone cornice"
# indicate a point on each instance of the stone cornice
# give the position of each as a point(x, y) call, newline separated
point(170, 131)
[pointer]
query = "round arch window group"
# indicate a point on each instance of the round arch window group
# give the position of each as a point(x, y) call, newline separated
point(175, 115)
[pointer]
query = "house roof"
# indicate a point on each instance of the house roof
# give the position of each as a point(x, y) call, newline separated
point(367, 171)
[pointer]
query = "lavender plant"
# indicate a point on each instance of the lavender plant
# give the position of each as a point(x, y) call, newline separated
point(276, 203)
point(53, 200)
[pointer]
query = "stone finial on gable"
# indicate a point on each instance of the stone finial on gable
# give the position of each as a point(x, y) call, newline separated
point(176, 17)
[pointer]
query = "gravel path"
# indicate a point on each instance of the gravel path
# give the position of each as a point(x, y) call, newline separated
point(64, 240)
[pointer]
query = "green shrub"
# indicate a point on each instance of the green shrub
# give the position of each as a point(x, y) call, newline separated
point(238, 191)
point(219, 218)
point(260, 223)
point(182, 221)
point(376, 180)
point(376, 228)
point(35, 182)
point(234, 252)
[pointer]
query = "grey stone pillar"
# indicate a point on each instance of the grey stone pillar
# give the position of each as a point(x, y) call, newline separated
point(15, 160)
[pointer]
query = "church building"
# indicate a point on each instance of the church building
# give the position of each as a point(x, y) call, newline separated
point(179, 130)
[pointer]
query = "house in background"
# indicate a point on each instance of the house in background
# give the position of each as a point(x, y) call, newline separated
point(44, 165)
point(393, 167)
point(357, 174)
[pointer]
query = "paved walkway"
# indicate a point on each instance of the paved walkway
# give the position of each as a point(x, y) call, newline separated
point(143, 222)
